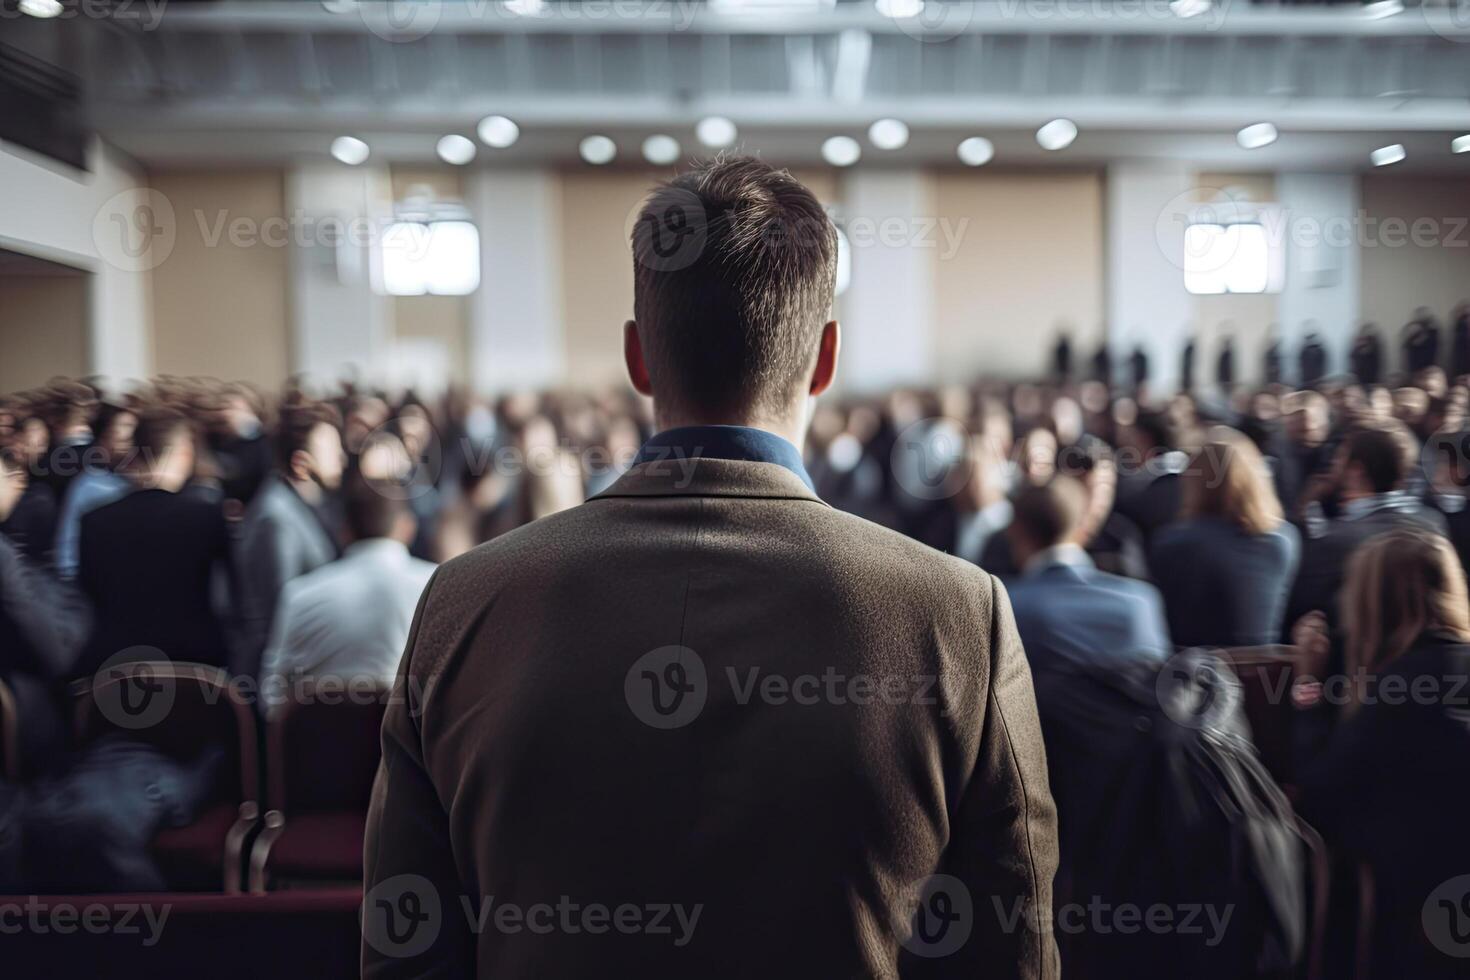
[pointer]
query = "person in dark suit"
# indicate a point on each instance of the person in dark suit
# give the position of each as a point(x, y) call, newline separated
point(1421, 341)
point(1225, 568)
point(1067, 611)
point(1271, 367)
point(148, 560)
point(1367, 355)
point(1460, 341)
point(1383, 749)
point(43, 624)
point(1367, 480)
point(1102, 364)
point(1186, 367)
point(286, 531)
point(1138, 365)
point(1149, 464)
point(1313, 360)
point(708, 565)
point(1061, 358)
point(1225, 366)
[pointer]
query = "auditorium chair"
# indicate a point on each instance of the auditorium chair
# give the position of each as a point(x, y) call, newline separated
point(9, 735)
point(322, 752)
point(1265, 675)
point(200, 705)
point(285, 935)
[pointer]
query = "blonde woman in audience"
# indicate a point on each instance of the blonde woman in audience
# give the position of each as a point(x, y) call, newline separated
point(1225, 568)
point(1390, 785)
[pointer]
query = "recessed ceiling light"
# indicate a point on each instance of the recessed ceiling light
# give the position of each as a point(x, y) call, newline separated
point(456, 149)
point(976, 151)
point(716, 132)
point(349, 150)
point(1385, 155)
point(498, 131)
point(1184, 9)
point(1460, 144)
point(1057, 134)
point(598, 150)
point(526, 8)
point(841, 151)
point(660, 149)
point(40, 8)
point(900, 9)
point(1379, 9)
point(888, 134)
point(1256, 135)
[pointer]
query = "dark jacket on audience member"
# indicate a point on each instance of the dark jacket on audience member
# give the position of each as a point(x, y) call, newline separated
point(43, 625)
point(1222, 586)
point(32, 524)
point(1391, 786)
point(1325, 557)
point(797, 823)
point(147, 564)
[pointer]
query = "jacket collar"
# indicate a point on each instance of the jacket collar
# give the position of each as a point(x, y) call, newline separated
point(734, 442)
point(696, 476)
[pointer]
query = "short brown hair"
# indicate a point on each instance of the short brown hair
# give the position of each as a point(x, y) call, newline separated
point(734, 266)
point(1051, 514)
point(1385, 451)
point(159, 430)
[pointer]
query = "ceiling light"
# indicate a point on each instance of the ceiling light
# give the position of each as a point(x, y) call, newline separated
point(349, 150)
point(598, 150)
point(1460, 144)
point(526, 8)
point(900, 9)
point(888, 134)
point(1385, 155)
point(716, 132)
point(1057, 134)
point(976, 151)
point(841, 151)
point(1256, 135)
point(1184, 9)
point(1380, 9)
point(498, 131)
point(660, 149)
point(456, 149)
point(41, 8)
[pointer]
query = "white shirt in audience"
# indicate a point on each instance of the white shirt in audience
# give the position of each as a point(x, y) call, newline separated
point(347, 620)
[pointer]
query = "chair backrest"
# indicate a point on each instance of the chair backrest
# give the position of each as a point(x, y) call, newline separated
point(9, 735)
point(179, 708)
point(1265, 674)
point(323, 747)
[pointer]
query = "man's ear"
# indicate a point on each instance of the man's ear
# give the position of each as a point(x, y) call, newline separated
point(826, 369)
point(633, 358)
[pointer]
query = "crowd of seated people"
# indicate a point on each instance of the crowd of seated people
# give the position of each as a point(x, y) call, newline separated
point(288, 536)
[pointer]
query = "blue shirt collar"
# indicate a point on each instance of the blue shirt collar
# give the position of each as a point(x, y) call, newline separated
point(739, 442)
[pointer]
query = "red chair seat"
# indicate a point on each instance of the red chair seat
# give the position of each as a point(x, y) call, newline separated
point(192, 854)
point(320, 845)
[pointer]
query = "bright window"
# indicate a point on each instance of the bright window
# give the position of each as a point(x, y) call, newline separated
point(1233, 258)
point(438, 257)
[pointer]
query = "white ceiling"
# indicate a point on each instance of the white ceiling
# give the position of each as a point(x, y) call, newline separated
point(245, 82)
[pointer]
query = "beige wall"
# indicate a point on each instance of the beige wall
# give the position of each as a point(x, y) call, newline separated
point(220, 298)
point(1400, 274)
point(43, 329)
point(1029, 260)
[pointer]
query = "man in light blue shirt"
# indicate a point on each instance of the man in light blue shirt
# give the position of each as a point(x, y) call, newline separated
point(97, 484)
point(1067, 611)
